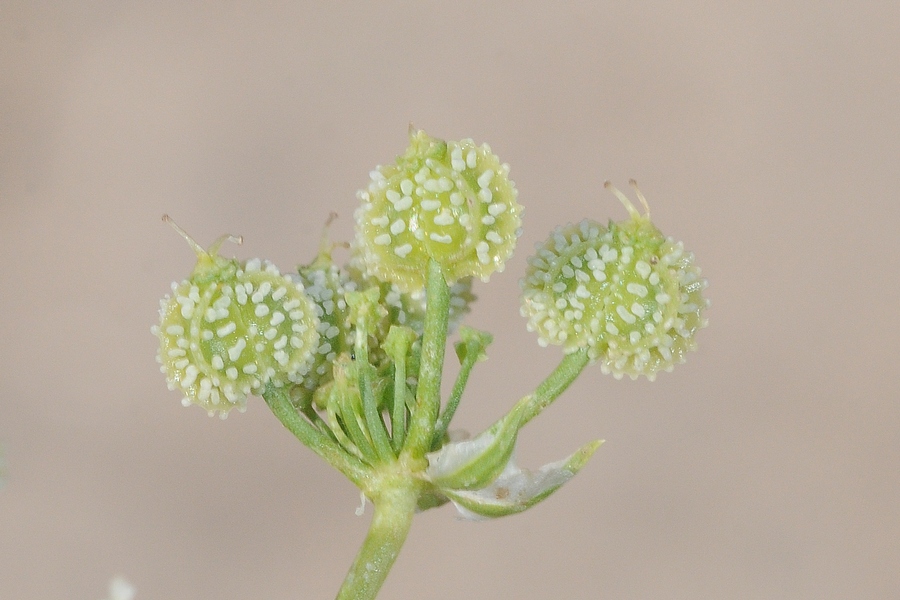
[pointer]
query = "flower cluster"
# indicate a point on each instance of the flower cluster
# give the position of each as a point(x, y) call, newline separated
point(350, 357)
point(626, 293)
point(231, 328)
point(448, 201)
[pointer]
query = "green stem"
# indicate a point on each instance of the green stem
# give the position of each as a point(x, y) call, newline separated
point(434, 343)
point(313, 417)
point(320, 443)
point(377, 430)
point(394, 510)
point(350, 411)
point(397, 345)
point(555, 384)
point(398, 414)
point(465, 369)
point(337, 430)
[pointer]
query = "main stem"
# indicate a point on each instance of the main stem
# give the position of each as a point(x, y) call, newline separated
point(394, 510)
point(393, 489)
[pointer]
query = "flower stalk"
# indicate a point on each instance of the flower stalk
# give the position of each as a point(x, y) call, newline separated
point(434, 342)
point(395, 505)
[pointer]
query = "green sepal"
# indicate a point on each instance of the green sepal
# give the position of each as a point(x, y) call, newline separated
point(517, 489)
point(398, 341)
point(365, 310)
point(471, 339)
point(473, 464)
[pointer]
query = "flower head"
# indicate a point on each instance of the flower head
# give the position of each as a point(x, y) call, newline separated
point(626, 293)
point(448, 201)
point(231, 328)
point(326, 284)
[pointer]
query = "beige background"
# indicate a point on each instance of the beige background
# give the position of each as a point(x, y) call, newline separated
point(766, 136)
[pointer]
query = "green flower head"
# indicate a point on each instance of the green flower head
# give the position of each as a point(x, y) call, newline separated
point(326, 284)
point(231, 328)
point(629, 295)
point(448, 201)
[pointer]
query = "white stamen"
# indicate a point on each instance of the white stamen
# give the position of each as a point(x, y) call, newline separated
point(625, 315)
point(190, 376)
point(234, 352)
point(398, 227)
point(441, 239)
point(637, 289)
point(226, 329)
point(643, 268)
point(445, 218)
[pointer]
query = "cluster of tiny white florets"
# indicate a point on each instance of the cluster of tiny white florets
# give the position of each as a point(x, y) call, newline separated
point(408, 308)
point(448, 201)
point(412, 306)
point(229, 330)
point(326, 285)
point(626, 293)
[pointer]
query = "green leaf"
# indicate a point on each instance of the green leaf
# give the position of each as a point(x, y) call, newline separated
point(517, 489)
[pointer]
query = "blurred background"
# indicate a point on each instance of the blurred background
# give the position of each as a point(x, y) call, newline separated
point(765, 135)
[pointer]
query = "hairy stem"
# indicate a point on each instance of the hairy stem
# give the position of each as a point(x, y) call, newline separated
point(434, 342)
